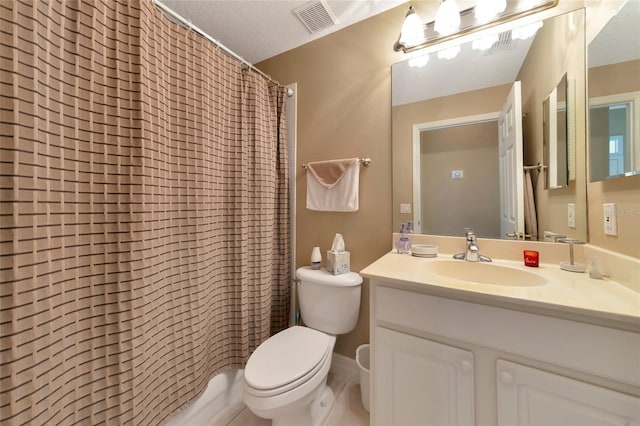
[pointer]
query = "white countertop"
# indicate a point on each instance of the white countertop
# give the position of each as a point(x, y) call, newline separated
point(567, 294)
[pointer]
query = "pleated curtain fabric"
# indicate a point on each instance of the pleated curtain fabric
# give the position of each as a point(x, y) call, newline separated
point(144, 243)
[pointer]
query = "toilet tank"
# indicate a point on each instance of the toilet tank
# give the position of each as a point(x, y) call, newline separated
point(329, 303)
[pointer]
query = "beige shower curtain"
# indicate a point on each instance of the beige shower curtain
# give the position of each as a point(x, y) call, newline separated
point(144, 238)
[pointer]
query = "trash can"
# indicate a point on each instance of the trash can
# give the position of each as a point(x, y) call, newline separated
point(362, 359)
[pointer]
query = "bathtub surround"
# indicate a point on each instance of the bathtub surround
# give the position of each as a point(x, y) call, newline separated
point(144, 210)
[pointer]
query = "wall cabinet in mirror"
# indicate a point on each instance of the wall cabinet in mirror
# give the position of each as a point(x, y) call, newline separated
point(614, 97)
point(555, 136)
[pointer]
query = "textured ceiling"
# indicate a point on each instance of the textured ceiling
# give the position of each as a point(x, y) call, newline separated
point(260, 29)
point(619, 40)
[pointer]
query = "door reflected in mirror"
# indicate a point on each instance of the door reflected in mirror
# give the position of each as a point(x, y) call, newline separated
point(458, 165)
point(614, 97)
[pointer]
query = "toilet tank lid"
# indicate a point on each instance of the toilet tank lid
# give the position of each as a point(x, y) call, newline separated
point(321, 276)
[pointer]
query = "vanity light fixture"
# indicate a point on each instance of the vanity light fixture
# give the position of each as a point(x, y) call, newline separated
point(485, 43)
point(523, 33)
point(468, 21)
point(447, 18)
point(412, 32)
point(485, 10)
point(419, 61)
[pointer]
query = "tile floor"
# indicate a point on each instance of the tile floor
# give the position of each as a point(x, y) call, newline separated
point(347, 410)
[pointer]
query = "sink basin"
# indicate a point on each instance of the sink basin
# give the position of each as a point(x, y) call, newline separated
point(484, 273)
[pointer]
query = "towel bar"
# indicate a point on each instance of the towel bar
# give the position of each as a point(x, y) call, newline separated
point(363, 161)
point(538, 167)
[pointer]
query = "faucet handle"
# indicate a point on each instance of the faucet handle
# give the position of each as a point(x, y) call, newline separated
point(471, 236)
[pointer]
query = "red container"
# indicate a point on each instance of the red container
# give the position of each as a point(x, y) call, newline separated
point(531, 258)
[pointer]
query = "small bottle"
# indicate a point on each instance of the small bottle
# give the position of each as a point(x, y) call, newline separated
point(404, 243)
point(316, 258)
point(409, 227)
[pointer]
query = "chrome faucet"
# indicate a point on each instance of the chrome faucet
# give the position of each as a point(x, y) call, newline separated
point(472, 253)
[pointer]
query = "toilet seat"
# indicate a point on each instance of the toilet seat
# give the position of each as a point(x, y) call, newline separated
point(286, 360)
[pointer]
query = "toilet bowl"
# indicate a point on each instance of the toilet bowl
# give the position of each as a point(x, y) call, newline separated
point(286, 373)
point(285, 378)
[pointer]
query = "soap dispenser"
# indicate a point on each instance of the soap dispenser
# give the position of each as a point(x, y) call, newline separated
point(403, 244)
point(316, 258)
point(409, 227)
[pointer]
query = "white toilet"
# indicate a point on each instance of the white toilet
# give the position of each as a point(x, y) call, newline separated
point(286, 377)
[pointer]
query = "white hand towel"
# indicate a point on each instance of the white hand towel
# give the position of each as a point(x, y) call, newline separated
point(333, 185)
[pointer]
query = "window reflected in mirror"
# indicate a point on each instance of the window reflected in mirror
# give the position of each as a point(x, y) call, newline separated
point(613, 145)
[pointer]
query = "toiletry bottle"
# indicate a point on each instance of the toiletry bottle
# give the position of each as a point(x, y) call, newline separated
point(403, 244)
point(316, 258)
point(409, 227)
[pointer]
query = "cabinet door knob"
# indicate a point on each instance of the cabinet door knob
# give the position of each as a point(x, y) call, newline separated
point(506, 377)
point(466, 366)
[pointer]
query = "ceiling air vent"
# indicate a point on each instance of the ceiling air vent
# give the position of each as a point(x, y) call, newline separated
point(316, 16)
point(504, 43)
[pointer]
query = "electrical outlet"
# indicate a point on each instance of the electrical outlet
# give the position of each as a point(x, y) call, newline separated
point(405, 208)
point(610, 219)
point(571, 215)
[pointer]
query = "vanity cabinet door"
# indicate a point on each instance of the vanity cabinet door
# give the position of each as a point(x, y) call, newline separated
point(421, 382)
point(533, 397)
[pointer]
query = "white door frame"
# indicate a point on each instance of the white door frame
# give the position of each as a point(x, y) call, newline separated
point(291, 105)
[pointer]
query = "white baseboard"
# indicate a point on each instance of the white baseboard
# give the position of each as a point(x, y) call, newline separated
point(345, 367)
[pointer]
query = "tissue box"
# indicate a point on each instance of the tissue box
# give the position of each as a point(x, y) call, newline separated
point(338, 262)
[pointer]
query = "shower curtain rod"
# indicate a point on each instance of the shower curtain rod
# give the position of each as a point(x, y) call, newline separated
point(188, 24)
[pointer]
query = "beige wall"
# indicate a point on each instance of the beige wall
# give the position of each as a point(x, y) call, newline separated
point(344, 110)
point(556, 49)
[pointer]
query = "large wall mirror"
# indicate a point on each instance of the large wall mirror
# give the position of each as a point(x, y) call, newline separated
point(468, 136)
point(614, 97)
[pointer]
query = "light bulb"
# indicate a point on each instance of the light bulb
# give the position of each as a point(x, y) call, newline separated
point(412, 32)
point(449, 53)
point(419, 61)
point(485, 43)
point(525, 32)
point(447, 18)
point(486, 10)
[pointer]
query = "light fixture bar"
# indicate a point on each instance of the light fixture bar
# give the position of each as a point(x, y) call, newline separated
point(469, 24)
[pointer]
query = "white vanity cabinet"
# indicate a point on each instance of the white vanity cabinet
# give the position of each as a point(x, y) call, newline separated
point(420, 379)
point(534, 397)
point(439, 358)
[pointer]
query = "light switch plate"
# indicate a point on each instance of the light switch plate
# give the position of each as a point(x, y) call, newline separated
point(571, 215)
point(405, 208)
point(610, 219)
